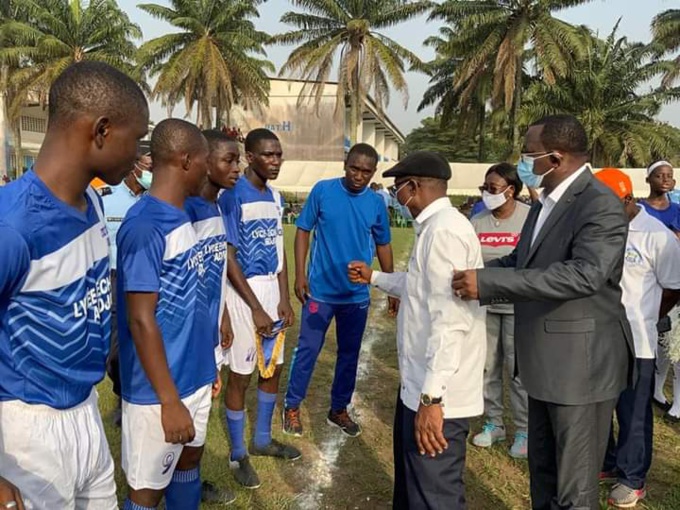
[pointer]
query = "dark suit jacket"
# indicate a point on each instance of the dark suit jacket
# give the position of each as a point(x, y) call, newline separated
point(573, 343)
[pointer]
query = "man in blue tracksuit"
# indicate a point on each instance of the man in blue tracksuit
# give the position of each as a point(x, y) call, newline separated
point(350, 222)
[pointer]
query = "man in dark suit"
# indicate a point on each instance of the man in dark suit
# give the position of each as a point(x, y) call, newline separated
point(574, 349)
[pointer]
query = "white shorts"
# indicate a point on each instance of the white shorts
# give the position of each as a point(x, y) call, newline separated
point(242, 357)
point(147, 460)
point(59, 459)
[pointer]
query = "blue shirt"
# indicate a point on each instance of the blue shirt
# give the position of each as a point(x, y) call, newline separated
point(669, 216)
point(477, 208)
point(346, 226)
point(55, 295)
point(158, 252)
point(254, 221)
point(208, 223)
point(116, 206)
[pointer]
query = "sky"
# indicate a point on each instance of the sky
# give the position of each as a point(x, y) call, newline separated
point(599, 15)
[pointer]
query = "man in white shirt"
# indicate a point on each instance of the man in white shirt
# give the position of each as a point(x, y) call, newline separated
point(651, 264)
point(441, 339)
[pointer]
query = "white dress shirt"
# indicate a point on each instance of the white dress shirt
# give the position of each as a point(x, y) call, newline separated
point(651, 264)
point(441, 339)
point(549, 201)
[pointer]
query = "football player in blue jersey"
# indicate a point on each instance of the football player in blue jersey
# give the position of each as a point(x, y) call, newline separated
point(205, 214)
point(55, 295)
point(257, 295)
point(167, 371)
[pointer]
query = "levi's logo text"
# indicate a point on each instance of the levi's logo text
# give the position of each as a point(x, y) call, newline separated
point(496, 239)
point(97, 299)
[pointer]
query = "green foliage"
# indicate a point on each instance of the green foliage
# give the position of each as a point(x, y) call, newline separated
point(43, 37)
point(213, 60)
point(347, 32)
point(666, 33)
point(606, 91)
point(452, 143)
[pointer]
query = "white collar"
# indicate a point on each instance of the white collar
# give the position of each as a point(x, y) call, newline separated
point(557, 193)
point(429, 211)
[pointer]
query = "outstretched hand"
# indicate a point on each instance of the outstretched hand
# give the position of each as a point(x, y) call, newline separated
point(465, 284)
point(359, 272)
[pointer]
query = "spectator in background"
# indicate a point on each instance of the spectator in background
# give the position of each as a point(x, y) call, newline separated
point(651, 264)
point(658, 204)
point(498, 227)
point(116, 205)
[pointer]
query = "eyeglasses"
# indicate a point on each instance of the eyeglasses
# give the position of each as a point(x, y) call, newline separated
point(493, 189)
point(396, 188)
point(529, 157)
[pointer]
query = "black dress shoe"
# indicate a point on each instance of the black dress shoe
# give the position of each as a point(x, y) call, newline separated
point(664, 406)
point(211, 494)
point(670, 419)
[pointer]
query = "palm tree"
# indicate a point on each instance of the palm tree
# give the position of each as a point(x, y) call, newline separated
point(368, 60)
point(666, 33)
point(603, 91)
point(43, 37)
point(212, 61)
point(465, 106)
point(496, 33)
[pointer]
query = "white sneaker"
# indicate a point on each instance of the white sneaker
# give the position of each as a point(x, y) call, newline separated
point(489, 435)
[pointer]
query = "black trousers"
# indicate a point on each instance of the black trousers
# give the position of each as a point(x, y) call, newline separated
point(630, 455)
point(567, 445)
point(113, 361)
point(422, 482)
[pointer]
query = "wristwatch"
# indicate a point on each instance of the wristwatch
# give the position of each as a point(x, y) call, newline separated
point(428, 401)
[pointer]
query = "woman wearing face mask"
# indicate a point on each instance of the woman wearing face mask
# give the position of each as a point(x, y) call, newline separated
point(498, 228)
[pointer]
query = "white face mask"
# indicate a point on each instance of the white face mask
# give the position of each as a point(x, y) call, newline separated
point(493, 202)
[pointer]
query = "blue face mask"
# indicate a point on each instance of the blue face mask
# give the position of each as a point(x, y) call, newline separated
point(145, 179)
point(525, 171)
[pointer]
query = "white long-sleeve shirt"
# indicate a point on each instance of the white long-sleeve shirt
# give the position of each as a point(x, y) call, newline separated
point(441, 339)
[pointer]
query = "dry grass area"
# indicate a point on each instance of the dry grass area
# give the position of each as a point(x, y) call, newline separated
point(342, 473)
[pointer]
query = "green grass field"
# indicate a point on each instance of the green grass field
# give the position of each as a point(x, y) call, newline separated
point(342, 473)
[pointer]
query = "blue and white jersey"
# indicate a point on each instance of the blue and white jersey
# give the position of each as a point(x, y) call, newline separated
point(55, 295)
point(158, 252)
point(254, 222)
point(208, 223)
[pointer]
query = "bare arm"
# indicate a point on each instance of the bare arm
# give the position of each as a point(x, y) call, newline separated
point(177, 422)
point(301, 250)
point(284, 309)
point(263, 323)
point(385, 258)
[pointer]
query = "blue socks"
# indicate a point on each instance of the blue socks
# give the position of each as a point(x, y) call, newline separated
point(129, 505)
point(184, 491)
point(236, 424)
point(265, 410)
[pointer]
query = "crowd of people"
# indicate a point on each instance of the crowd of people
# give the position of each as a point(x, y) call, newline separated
point(180, 271)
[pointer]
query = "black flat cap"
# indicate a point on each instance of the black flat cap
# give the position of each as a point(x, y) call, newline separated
point(421, 164)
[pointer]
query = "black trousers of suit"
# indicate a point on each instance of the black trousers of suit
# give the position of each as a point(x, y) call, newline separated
point(567, 445)
point(422, 482)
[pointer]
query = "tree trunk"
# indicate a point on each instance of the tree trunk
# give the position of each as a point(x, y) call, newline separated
point(18, 151)
point(4, 166)
point(355, 107)
point(516, 103)
point(482, 129)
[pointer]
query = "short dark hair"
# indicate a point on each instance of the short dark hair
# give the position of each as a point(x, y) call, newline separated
point(216, 137)
point(173, 136)
point(256, 136)
point(97, 89)
point(363, 149)
point(508, 173)
point(563, 133)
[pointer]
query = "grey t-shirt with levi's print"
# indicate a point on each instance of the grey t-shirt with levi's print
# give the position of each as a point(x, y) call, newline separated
point(498, 238)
